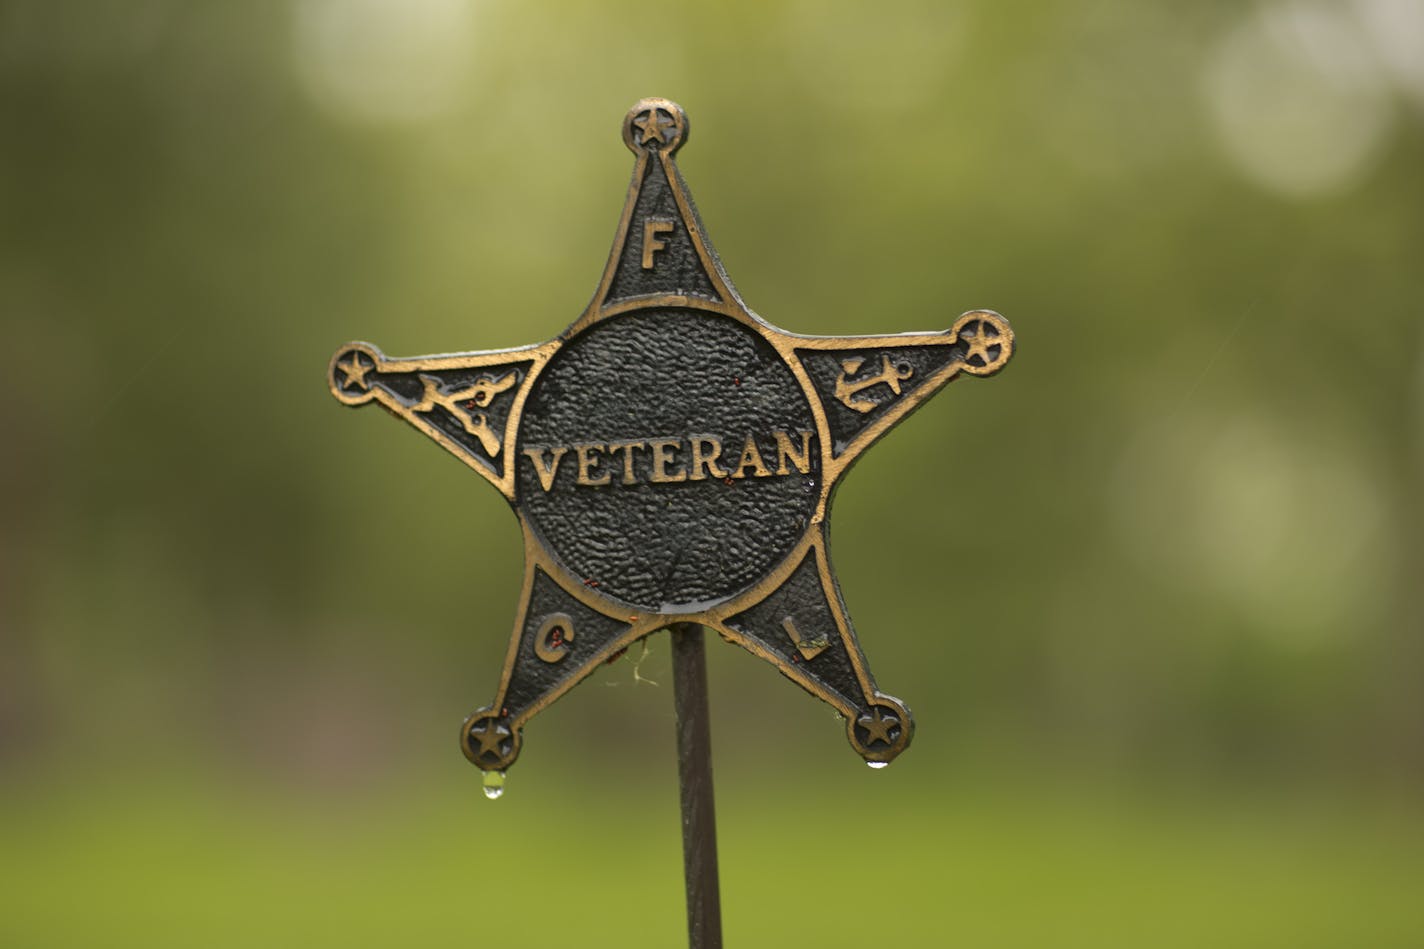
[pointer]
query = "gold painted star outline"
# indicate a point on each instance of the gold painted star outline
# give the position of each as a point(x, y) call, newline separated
point(652, 123)
point(857, 388)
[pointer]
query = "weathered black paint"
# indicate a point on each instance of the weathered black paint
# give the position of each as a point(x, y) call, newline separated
point(667, 372)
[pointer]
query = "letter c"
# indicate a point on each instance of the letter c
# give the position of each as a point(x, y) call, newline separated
point(551, 642)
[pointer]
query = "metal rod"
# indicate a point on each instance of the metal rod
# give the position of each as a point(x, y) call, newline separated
point(694, 772)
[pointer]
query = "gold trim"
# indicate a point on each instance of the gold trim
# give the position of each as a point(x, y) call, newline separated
point(653, 130)
point(535, 356)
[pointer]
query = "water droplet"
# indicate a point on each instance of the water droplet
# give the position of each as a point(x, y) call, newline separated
point(494, 784)
point(877, 765)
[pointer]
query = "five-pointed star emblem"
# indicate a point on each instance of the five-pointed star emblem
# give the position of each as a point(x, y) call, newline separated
point(671, 458)
point(489, 735)
point(877, 725)
point(355, 371)
point(980, 344)
point(652, 126)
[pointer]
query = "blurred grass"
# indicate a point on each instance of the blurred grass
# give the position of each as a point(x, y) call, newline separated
point(848, 859)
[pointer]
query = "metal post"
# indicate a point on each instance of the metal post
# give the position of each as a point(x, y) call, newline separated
point(694, 771)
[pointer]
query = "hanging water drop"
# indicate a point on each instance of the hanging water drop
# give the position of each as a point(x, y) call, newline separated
point(494, 784)
point(877, 765)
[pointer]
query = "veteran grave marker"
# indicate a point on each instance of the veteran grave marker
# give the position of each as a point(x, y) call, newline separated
point(671, 458)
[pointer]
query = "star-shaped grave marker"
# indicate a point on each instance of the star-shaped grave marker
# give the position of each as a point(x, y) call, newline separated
point(671, 458)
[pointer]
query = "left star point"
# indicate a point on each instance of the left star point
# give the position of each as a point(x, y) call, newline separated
point(355, 371)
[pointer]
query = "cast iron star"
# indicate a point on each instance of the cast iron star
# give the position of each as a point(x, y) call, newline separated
point(671, 458)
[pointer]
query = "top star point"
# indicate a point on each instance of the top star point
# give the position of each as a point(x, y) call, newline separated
point(652, 125)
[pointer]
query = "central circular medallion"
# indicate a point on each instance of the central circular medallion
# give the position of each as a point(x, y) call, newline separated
point(668, 458)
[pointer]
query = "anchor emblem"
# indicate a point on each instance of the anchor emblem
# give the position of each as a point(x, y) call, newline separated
point(480, 394)
point(849, 393)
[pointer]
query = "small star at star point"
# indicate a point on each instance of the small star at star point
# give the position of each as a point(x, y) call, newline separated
point(652, 126)
point(877, 725)
point(491, 735)
point(980, 344)
point(355, 371)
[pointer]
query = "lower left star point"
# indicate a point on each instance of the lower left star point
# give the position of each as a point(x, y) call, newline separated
point(489, 741)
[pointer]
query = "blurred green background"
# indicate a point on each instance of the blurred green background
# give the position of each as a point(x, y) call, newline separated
point(1155, 593)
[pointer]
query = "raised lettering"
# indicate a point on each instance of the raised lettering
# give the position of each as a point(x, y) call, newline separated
point(587, 461)
point(551, 642)
point(546, 470)
point(785, 452)
point(810, 648)
point(662, 457)
point(598, 464)
point(705, 452)
point(751, 458)
point(651, 242)
point(627, 448)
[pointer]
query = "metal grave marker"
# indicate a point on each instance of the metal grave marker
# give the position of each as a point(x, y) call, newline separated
point(671, 458)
